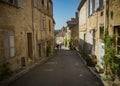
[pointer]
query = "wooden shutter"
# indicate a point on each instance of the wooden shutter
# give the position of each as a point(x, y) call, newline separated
point(6, 44)
point(1, 44)
point(19, 3)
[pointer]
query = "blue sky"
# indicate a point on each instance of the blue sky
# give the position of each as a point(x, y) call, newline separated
point(64, 10)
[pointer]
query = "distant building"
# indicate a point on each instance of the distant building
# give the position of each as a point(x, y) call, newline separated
point(60, 36)
point(67, 37)
point(73, 26)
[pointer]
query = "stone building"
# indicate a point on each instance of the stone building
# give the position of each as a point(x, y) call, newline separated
point(60, 36)
point(94, 17)
point(26, 31)
point(73, 26)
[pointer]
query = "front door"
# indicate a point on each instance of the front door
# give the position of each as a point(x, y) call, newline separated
point(30, 51)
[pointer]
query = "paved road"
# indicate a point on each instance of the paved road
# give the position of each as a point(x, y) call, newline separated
point(65, 69)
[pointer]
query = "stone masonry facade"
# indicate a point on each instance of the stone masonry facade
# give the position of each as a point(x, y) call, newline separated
point(94, 17)
point(26, 31)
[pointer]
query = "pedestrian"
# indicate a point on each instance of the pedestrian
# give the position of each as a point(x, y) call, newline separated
point(60, 46)
point(57, 46)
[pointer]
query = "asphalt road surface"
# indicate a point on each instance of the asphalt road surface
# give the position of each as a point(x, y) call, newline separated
point(64, 69)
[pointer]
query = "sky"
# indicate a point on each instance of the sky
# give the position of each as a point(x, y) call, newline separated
point(64, 10)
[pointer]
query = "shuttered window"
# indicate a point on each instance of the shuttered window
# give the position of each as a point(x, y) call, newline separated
point(118, 40)
point(11, 44)
point(17, 3)
point(90, 7)
point(8, 42)
point(96, 4)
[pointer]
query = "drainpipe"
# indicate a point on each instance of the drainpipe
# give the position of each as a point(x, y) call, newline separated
point(107, 3)
point(106, 15)
point(33, 29)
point(104, 3)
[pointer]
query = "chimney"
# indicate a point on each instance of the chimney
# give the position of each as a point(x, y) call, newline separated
point(76, 15)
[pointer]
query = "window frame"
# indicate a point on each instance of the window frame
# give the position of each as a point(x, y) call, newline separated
point(9, 44)
point(16, 3)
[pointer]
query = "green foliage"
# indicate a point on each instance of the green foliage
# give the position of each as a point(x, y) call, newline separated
point(48, 50)
point(5, 71)
point(83, 52)
point(109, 59)
point(65, 42)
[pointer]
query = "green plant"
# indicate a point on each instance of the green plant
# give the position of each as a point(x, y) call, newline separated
point(65, 42)
point(111, 14)
point(82, 50)
point(110, 64)
point(48, 50)
point(5, 71)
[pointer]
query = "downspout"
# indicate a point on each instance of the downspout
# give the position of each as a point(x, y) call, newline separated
point(33, 29)
point(106, 16)
point(104, 3)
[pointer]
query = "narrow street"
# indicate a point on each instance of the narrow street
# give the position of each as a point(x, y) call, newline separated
point(65, 69)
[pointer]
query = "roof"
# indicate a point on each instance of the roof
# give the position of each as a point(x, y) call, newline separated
point(81, 4)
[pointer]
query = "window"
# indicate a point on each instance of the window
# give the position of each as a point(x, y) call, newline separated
point(43, 22)
point(49, 25)
point(101, 31)
point(11, 1)
point(11, 41)
point(42, 2)
point(38, 4)
point(8, 41)
point(101, 2)
point(90, 7)
point(117, 41)
point(96, 4)
point(48, 5)
point(17, 3)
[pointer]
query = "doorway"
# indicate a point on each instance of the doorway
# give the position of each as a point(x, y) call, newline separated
point(29, 39)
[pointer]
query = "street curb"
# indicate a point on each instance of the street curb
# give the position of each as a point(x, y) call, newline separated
point(97, 75)
point(82, 58)
point(16, 76)
point(20, 74)
point(90, 68)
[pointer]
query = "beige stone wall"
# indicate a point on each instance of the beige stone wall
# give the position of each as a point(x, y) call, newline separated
point(83, 23)
point(19, 19)
point(94, 22)
point(75, 35)
point(114, 15)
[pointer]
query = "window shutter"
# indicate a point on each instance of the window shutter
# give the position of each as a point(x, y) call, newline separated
point(1, 44)
point(6, 44)
point(40, 5)
point(11, 44)
point(20, 3)
point(4, 0)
